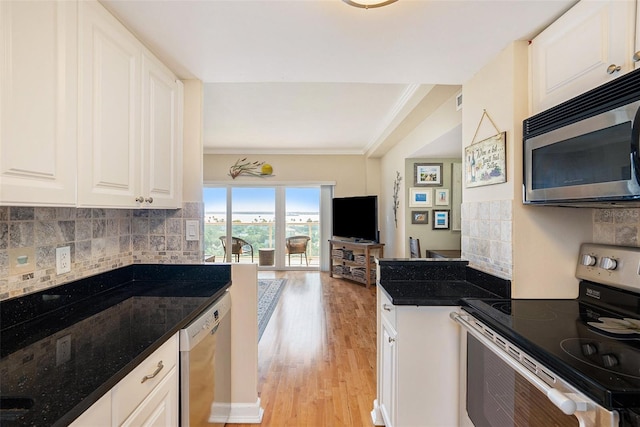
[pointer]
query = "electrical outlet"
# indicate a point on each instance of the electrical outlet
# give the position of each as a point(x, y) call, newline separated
point(63, 350)
point(63, 260)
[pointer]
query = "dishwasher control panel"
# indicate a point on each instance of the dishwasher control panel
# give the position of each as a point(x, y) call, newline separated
point(205, 324)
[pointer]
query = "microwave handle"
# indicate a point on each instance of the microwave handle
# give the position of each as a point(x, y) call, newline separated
point(635, 144)
point(568, 403)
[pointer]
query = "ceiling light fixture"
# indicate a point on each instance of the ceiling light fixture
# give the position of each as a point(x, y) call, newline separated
point(369, 4)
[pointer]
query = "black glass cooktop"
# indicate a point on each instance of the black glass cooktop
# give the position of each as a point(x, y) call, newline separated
point(593, 343)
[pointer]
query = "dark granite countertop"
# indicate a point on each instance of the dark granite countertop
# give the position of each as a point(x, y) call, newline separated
point(115, 320)
point(437, 282)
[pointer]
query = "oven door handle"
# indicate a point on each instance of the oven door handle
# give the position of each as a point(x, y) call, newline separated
point(568, 405)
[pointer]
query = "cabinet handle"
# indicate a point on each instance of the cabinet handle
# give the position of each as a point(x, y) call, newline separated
point(613, 68)
point(149, 200)
point(158, 369)
point(139, 199)
point(636, 56)
point(391, 340)
point(386, 307)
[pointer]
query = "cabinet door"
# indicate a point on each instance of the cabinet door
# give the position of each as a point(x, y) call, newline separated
point(109, 113)
point(98, 415)
point(572, 55)
point(160, 408)
point(38, 102)
point(162, 135)
point(388, 380)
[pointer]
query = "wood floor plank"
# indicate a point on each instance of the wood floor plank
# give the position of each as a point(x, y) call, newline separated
point(317, 356)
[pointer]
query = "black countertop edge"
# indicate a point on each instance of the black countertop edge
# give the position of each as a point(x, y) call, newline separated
point(433, 292)
point(425, 282)
point(148, 351)
point(27, 319)
point(42, 303)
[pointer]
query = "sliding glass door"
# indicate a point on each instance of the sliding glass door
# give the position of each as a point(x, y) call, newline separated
point(302, 235)
point(277, 227)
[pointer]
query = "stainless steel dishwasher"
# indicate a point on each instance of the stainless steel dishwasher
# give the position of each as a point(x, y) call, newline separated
point(205, 367)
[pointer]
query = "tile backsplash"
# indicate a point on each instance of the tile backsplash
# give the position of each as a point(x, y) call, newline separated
point(487, 236)
point(99, 240)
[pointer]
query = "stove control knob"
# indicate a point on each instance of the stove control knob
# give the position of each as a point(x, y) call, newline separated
point(589, 349)
point(609, 360)
point(608, 263)
point(588, 260)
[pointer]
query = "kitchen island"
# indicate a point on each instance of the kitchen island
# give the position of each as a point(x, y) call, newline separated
point(63, 348)
point(418, 344)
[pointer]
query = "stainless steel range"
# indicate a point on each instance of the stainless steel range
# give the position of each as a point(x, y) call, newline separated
point(557, 362)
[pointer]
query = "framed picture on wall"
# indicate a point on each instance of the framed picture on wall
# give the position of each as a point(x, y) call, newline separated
point(442, 197)
point(419, 217)
point(427, 174)
point(440, 219)
point(420, 197)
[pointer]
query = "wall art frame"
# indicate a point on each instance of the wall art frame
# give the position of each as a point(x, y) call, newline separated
point(486, 161)
point(440, 219)
point(442, 197)
point(420, 197)
point(419, 217)
point(427, 174)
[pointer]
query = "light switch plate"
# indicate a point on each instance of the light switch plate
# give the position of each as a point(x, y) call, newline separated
point(192, 229)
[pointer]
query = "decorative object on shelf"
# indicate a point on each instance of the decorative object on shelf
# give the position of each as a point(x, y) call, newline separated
point(442, 197)
point(244, 167)
point(485, 161)
point(369, 4)
point(420, 197)
point(396, 202)
point(419, 217)
point(440, 219)
point(427, 174)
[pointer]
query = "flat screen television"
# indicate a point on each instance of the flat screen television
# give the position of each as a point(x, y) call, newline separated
point(356, 218)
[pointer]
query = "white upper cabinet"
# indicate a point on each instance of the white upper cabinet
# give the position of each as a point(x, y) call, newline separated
point(109, 149)
point(130, 143)
point(38, 103)
point(589, 45)
point(161, 135)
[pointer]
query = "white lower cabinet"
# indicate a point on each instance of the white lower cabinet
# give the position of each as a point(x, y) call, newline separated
point(160, 408)
point(147, 396)
point(418, 349)
point(388, 372)
point(98, 415)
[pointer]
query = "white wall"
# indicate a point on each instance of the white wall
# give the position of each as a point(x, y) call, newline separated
point(350, 173)
point(437, 124)
point(431, 239)
point(540, 254)
point(192, 141)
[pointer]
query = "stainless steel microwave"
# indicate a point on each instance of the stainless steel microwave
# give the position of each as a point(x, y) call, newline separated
point(584, 152)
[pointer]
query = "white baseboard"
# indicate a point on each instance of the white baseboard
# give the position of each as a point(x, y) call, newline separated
point(246, 413)
point(376, 415)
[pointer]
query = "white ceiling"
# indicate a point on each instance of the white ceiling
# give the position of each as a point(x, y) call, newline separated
point(319, 76)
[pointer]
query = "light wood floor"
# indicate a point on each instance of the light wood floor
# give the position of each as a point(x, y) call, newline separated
point(317, 356)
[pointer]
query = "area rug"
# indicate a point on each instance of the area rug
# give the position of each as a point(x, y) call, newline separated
point(269, 291)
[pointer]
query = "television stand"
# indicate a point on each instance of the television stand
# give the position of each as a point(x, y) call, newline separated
point(355, 261)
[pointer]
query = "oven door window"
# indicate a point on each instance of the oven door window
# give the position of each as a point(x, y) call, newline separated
point(497, 396)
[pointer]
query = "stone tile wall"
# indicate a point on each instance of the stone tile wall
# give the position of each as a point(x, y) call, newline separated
point(616, 226)
point(486, 236)
point(99, 240)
